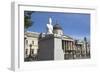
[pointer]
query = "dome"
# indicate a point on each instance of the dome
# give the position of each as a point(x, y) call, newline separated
point(57, 26)
point(57, 29)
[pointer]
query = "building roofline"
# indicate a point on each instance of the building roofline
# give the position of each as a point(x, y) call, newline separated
point(32, 32)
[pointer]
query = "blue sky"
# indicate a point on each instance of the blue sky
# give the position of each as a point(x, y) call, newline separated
point(74, 24)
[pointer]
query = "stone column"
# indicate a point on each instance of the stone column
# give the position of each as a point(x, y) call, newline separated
point(64, 45)
point(71, 45)
point(68, 44)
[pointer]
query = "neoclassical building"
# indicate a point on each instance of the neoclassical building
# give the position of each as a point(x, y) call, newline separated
point(31, 44)
point(55, 46)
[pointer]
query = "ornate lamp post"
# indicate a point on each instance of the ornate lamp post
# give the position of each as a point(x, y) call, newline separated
point(24, 48)
point(30, 58)
point(30, 50)
point(85, 39)
point(25, 42)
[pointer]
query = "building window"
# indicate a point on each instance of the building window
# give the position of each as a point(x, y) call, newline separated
point(27, 42)
point(32, 51)
point(33, 42)
point(26, 52)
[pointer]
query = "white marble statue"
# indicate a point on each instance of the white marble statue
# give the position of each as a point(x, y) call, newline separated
point(50, 27)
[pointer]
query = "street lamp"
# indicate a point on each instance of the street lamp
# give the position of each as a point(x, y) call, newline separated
point(85, 39)
point(30, 58)
point(30, 50)
point(24, 48)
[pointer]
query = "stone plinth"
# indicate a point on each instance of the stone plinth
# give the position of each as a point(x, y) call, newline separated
point(50, 48)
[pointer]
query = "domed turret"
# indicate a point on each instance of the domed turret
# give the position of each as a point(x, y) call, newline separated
point(57, 26)
point(57, 29)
